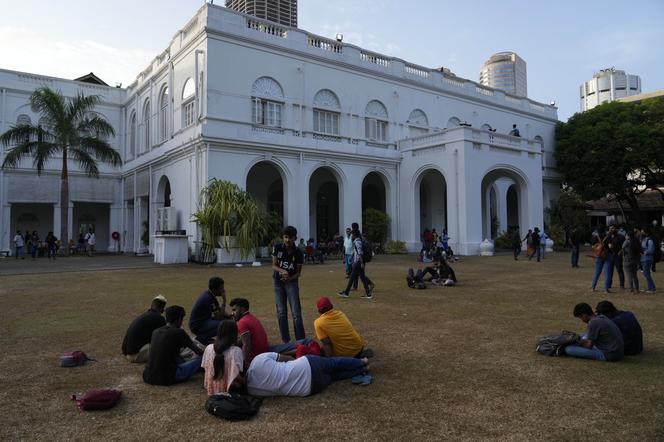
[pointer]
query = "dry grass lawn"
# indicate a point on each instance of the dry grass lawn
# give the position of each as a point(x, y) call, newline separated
point(451, 363)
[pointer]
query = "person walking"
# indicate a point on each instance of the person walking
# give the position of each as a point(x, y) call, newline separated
point(575, 245)
point(19, 243)
point(614, 257)
point(91, 240)
point(287, 262)
point(535, 242)
point(600, 250)
point(35, 244)
point(51, 245)
point(348, 251)
point(358, 270)
point(516, 243)
point(647, 259)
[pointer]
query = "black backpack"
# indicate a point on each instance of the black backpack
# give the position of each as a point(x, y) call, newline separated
point(367, 250)
point(554, 345)
point(233, 406)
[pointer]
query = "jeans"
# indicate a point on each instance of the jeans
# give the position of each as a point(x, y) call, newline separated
point(51, 251)
point(575, 256)
point(324, 371)
point(288, 346)
point(599, 265)
point(608, 271)
point(357, 272)
point(206, 331)
point(537, 250)
point(186, 370)
point(516, 250)
point(618, 265)
point(632, 275)
point(288, 291)
point(646, 265)
point(19, 252)
point(349, 264)
point(577, 351)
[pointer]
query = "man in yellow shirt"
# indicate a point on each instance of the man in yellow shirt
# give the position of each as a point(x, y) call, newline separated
point(336, 333)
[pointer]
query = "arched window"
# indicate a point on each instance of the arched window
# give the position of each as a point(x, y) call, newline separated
point(24, 120)
point(326, 112)
point(453, 122)
point(132, 135)
point(146, 126)
point(418, 123)
point(486, 127)
point(163, 115)
point(375, 121)
point(188, 103)
point(267, 99)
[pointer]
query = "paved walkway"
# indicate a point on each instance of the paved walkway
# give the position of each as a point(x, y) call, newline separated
point(13, 266)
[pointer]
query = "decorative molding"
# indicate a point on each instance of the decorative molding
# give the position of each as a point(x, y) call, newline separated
point(418, 118)
point(267, 87)
point(326, 98)
point(376, 109)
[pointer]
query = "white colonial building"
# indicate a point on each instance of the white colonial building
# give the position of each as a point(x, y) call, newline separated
point(316, 129)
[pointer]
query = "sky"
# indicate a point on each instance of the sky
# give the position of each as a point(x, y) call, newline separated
point(563, 42)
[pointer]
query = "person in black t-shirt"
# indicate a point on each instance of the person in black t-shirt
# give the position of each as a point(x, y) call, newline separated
point(136, 343)
point(287, 263)
point(165, 366)
point(207, 314)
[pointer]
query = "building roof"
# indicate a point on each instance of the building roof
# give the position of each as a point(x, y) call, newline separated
point(92, 79)
point(643, 96)
point(648, 200)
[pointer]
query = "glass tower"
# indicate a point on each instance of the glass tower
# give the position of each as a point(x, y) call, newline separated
point(506, 71)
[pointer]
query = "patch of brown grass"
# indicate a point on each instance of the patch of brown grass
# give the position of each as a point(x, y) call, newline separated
point(451, 363)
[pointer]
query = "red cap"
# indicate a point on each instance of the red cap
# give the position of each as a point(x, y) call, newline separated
point(324, 304)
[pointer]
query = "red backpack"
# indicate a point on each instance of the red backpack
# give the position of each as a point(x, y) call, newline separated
point(97, 399)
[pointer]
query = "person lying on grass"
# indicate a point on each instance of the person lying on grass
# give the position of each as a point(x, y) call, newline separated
point(603, 340)
point(336, 333)
point(272, 374)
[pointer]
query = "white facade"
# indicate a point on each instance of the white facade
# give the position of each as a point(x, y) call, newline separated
point(316, 130)
point(506, 71)
point(608, 85)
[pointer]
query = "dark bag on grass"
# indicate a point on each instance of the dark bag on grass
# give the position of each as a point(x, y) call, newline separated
point(97, 399)
point(554, 345)
point(233, 406)
point(74, 359)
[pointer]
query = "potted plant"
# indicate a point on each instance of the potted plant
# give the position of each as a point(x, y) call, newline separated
point(230, 220)
point(274, 224)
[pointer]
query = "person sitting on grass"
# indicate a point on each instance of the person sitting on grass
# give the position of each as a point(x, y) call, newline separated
point(272, 374)
point(136, 343)
point(336, 332)
point(223, 361)
point(446, 275)
point(207, 313)
point(627, 323)
point(603, 340)
point(253, 338)
point(165, 365)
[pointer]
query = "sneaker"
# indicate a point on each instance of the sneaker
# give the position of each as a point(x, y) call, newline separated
point(343, 294)
point(368, 379)
point(649, 291)
point(367, 295)
point(357, 379)
point(372, 286)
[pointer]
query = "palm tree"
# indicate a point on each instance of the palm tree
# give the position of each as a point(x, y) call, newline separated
point(71, 130)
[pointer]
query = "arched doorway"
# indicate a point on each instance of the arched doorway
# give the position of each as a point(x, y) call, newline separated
point(431, 194)
point(374, 194)
point(324, 204)
point(512, 208)
point(266, 184)
point(511, 200)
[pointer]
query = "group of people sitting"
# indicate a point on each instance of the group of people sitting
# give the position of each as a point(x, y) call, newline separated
point(234, 350)
point(439, 272)
point(434, 244)
point(611, 333)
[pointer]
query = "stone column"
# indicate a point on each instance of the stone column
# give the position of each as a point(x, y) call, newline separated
point(502, 185)
point(5, 231)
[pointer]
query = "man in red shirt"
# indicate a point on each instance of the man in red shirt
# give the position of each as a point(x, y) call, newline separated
point(252, 335)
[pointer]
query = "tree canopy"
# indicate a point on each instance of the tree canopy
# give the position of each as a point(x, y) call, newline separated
point(615, 149)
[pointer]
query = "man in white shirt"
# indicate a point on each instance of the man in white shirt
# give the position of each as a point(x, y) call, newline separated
point(348, 251)
point(91, 241)
point(274, 374)
point(19, 244)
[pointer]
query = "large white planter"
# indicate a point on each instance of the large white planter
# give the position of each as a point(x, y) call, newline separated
point(232, 255)
point(486, 248)
point(549, 245)
point(171, 249)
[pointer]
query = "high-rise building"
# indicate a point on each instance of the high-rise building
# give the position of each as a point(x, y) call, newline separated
point(608, 85)
point(283, 12)
point(506, 71)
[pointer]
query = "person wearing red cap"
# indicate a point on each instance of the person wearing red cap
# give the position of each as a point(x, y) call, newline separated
point(336, 332)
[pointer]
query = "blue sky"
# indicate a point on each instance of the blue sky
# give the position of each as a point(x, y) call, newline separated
point(563, 42)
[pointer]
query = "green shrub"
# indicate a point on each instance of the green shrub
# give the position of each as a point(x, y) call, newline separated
point(394, 247)
point(375, 225)
point(503, 240)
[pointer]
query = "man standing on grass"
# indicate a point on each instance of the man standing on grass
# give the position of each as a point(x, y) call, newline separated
point(91, 241)
point(19, 244)
point(287, 262)
point(165, 366)
point(207, 313)
point(602, 342)
point(348, 251)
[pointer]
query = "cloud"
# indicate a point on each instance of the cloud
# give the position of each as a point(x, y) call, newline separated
point(29, 52)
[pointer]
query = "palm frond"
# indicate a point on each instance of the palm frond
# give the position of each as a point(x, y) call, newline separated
point(96, 125)
point(80, 106)
point(85, 161)
point(49, 104)
point(43, 152)
point(100, 150)
point(19, 134)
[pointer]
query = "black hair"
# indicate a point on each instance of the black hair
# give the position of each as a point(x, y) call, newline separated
point(356, 233)
point(174, 313)
point(158, 304)
point(355, 226)
point(290, 232)
point(582, 309)
point(240, 302)
point(215, 283)
point(647, 230)
point(226, 338)
point(606, 308)
point(634, 243)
